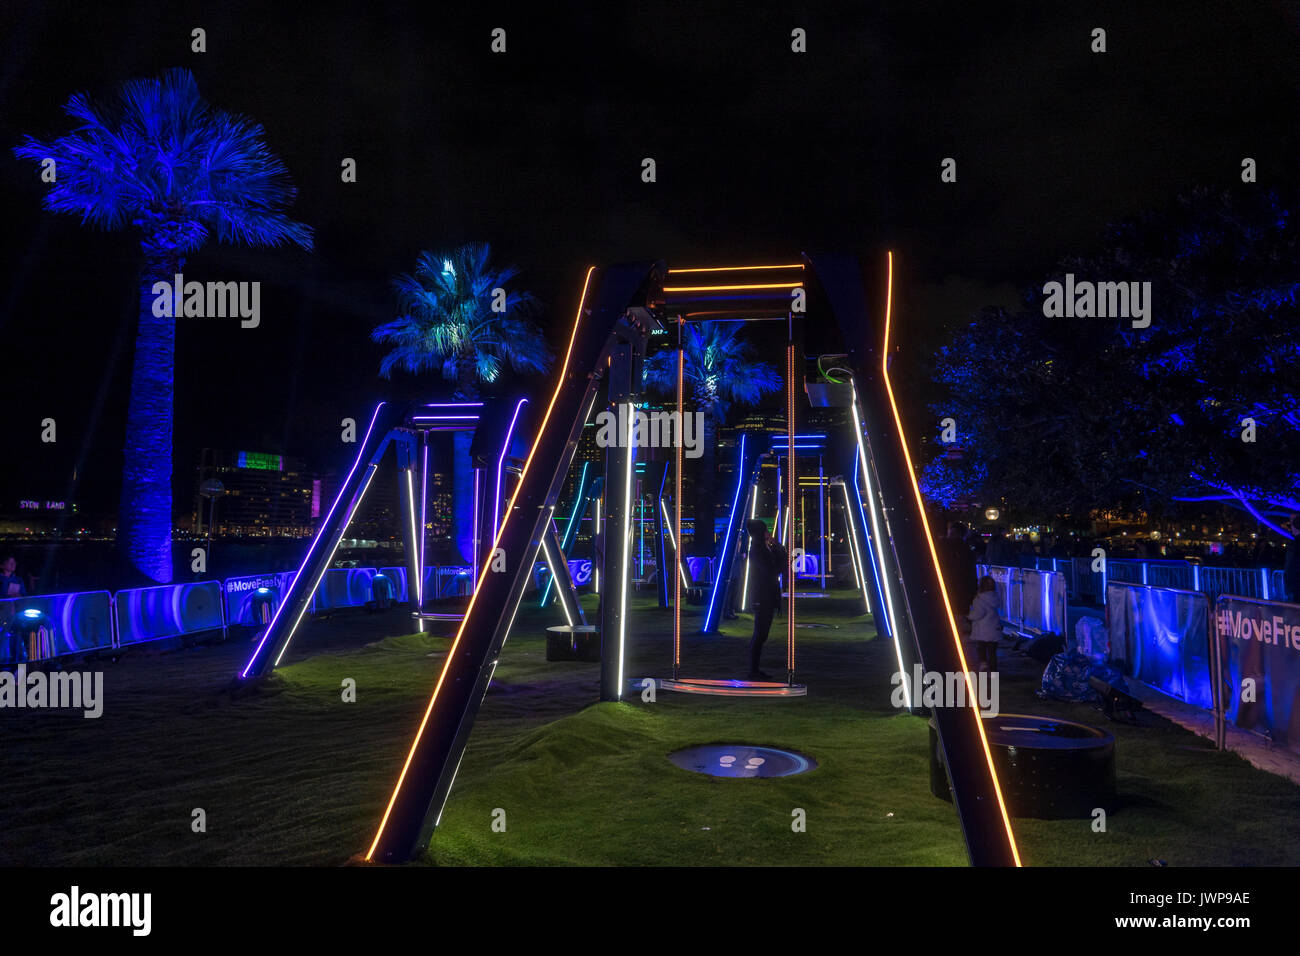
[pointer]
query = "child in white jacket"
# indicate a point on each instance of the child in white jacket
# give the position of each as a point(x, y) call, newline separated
point(986, 626)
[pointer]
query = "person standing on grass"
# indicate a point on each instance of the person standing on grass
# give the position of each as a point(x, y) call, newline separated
point(768, 561)
point(986, 625)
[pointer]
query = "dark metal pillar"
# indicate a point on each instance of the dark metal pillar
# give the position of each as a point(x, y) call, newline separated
point(620, 463)
point(430, 767)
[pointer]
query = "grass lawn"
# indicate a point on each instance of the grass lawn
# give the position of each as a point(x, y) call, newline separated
point(290, 774)
point(594, 786)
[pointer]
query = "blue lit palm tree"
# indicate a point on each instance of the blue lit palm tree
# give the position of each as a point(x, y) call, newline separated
point(447, 322)
point(719, 370)
point(159, 160)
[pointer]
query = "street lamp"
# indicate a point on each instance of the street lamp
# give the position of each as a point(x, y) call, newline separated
point(212, 489)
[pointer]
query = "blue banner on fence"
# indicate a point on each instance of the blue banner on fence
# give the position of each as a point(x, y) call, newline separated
point(151, 614)
point(579, 570)
point(344, 587)
point(54, 625)
point(245, 596)
point(1259, 649)
point(1028, 599)
point(1161, 637)
point(700, 569)
point(447, 580)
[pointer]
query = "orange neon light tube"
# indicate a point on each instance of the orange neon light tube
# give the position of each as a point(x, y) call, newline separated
point(791, 481)
point(792, 265)
point(451, 652)
point(934, 556)
point(677, 507)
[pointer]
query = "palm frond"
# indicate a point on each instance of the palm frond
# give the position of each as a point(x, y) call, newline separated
point(719, 368)
point(155, 155)
point(449, 296)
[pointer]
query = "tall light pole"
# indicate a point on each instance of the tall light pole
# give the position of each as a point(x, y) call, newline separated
point(212, 489)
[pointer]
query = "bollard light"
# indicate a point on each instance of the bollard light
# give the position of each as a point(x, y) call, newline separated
point(264, 602)
point(381, 588)
point(32, 633)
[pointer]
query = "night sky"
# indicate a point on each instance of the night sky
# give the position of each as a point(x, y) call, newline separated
point(760, 152)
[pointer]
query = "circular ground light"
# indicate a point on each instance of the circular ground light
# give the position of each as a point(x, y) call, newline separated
point(741, 760)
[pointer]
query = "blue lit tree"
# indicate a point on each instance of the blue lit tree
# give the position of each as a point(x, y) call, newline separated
point(719, 370)
point(1072, 414)
point(447, 322)
point(156, 159)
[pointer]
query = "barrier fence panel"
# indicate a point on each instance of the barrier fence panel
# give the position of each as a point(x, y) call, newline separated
point(580, 570)
point(1259, 658)
point(1245, 582)
point(343, 587)
point(1008, 590)
point(1029, 600)
point(58, 625)
point(1043, 602)
point(700, 570)
point(169, 610)
point(1161, 637)
point(398, 577)
point(1124, 570)
point(1261, 583)
point(250, 597)
point(448, 580)
point(1082, 582)
point(1177, 576)
point(55, 625)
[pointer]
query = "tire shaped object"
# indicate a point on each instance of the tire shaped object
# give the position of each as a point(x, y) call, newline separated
point(1047, 768)
point(577, 642)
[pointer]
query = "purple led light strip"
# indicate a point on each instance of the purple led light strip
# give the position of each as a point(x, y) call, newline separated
point(505, 450)
point(280, 606)
point(424, 501)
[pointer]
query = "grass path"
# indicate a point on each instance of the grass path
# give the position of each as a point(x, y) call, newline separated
point(595, 786)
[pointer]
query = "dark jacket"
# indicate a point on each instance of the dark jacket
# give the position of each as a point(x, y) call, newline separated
point(767, 562)
point(999, 552)
point(958, 563)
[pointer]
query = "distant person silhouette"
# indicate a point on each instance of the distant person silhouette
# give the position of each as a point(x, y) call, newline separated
point(768, 561)
point(999, 551)
point(11, 583)
point(1291, 564)
point(957, 561)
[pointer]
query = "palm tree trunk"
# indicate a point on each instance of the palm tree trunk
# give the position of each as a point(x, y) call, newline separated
point(462, 482)
point(144, 520)
point(706, 483)
point(462, 490)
